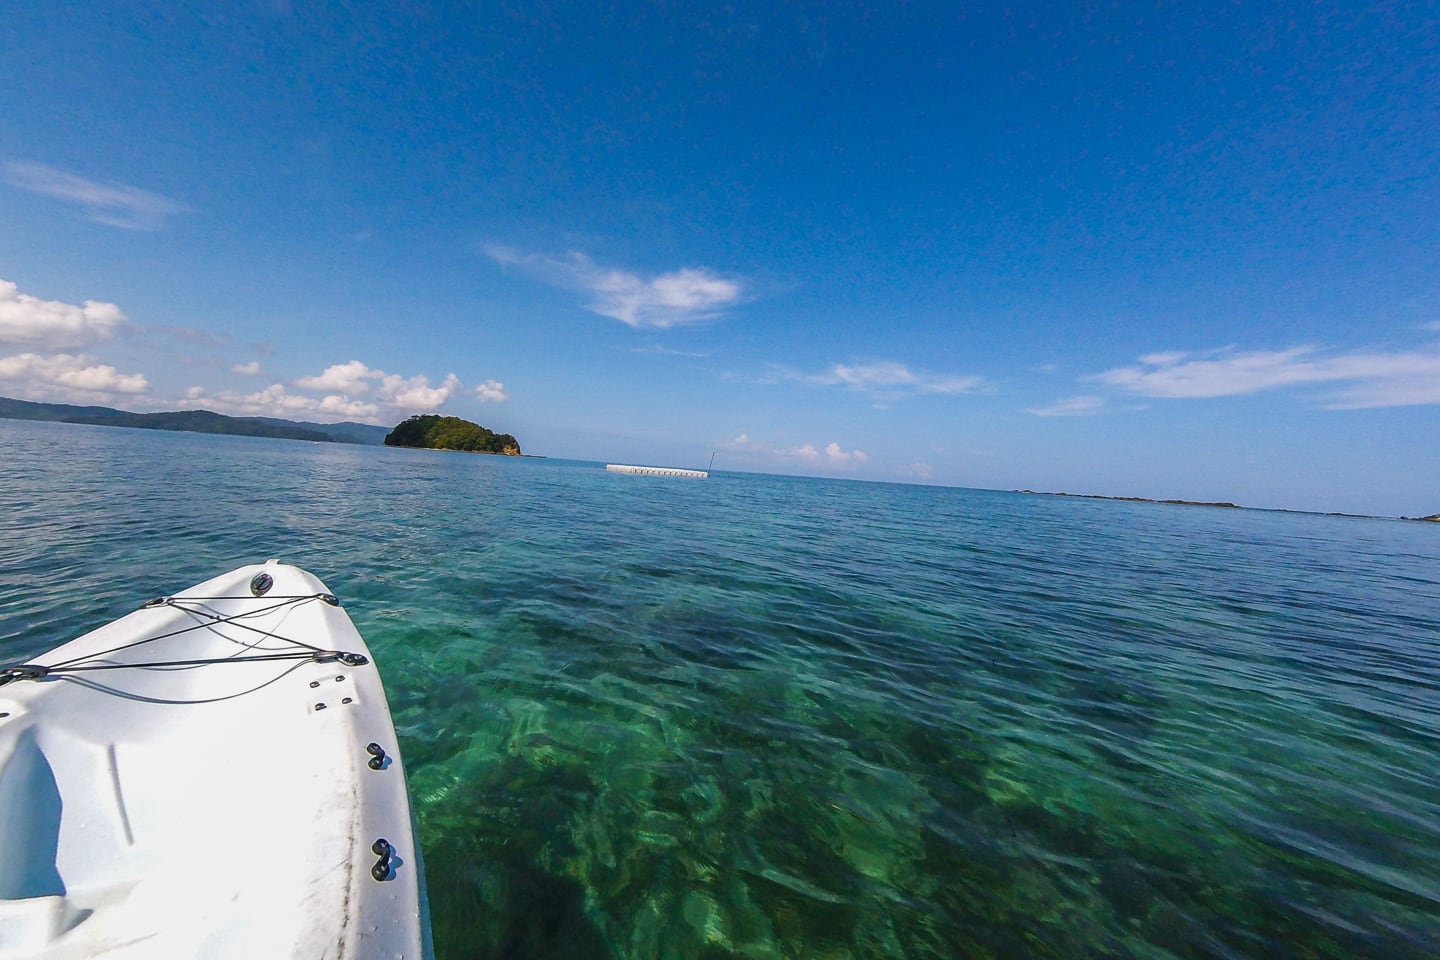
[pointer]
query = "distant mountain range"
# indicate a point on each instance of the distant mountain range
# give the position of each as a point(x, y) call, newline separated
point(196, 421)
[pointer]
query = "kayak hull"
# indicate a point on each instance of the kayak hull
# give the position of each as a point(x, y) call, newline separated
point(198, 779)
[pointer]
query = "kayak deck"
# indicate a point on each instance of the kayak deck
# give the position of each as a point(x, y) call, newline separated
point(213, 775)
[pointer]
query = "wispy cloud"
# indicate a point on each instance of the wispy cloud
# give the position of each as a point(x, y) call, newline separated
point(888, 375)
point(687, 295)
point(1375, 379)
point(188, 335)
point(1402, 391)
point(657, 350)
point(251, 369)
point(28, 321)
point(1070, 407)
point(67, 376)
point(113, 204)
point(886, 379)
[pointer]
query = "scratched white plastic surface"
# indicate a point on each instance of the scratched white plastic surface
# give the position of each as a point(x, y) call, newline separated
point(207, 811)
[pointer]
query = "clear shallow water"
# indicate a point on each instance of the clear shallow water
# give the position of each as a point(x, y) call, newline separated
point(773, 717)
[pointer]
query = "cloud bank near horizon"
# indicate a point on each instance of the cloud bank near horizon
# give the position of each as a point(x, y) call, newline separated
point(351, 391)
point(27, 321)
point(832, 453)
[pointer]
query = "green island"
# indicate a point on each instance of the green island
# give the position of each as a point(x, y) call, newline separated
point(431, 431)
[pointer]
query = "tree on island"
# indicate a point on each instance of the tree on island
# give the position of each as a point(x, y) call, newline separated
point(434, 432)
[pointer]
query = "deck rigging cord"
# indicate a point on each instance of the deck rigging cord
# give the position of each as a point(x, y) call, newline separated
point(211, 619)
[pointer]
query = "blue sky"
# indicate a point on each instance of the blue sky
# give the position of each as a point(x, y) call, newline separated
point(1170, 252)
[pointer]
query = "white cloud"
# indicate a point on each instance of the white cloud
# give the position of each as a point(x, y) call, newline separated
point(838, 455)
point(1377, 379)
point(491, 391)
point(115, 205)
point(1433, 325)
point(918, 471)
point(414, 394)
point(741, 440)
point(1070, 407)
point(833, 453)
point(349, 377)
point(392, 390)
point(29, 321)
point(888, 377)
point(67, 376)
point(687, 295)
point(347, 408)
point(251, 369)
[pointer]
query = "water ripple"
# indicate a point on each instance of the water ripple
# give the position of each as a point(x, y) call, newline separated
point(771, 717)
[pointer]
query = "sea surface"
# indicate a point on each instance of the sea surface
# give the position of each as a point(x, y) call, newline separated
point(766, 717)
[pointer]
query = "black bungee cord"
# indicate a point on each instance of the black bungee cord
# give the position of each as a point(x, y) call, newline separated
point(36, 671)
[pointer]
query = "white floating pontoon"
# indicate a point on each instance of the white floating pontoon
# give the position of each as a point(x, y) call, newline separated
point(656, 471)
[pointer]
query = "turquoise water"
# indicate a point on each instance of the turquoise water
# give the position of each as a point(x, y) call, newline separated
point(776, 717)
